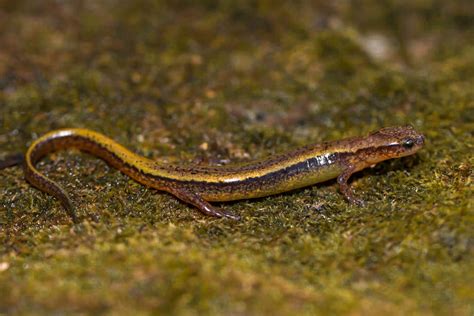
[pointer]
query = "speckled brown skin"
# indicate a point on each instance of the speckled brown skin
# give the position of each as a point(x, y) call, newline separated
point(197, 185)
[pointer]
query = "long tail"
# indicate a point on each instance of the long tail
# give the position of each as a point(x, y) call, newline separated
point(86, 140)
point(12, 160)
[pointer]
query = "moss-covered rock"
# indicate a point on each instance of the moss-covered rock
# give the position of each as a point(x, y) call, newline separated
point(219, 82)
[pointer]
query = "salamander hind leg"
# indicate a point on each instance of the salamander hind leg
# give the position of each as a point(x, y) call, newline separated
point(202, 205)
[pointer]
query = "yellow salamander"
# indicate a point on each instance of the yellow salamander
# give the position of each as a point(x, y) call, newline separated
point(199, 185)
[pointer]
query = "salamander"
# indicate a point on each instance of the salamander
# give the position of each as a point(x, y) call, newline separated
point(198, 185)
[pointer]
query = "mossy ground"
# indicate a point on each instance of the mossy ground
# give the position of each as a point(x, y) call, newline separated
point(230, 81)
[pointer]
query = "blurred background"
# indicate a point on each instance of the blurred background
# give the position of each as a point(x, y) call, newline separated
point(217, 82)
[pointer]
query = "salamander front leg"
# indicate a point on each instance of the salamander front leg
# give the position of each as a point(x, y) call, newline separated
point(202, 205)
point(344, 186)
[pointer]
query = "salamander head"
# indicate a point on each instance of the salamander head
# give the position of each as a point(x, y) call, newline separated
point(391, 142)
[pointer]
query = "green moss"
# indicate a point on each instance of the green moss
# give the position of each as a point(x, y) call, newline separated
point(218, 82)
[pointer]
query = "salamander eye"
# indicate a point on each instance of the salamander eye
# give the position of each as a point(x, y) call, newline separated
point(408, 143)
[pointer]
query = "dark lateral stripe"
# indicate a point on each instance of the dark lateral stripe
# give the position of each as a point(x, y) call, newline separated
point(312, 164)
point(309, 165)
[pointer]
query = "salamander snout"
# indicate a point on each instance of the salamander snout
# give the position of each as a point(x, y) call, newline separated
point(421, 140)
point(411, 143)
